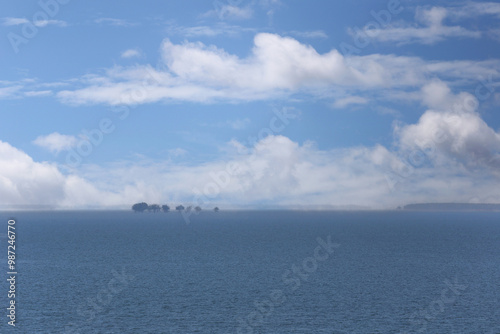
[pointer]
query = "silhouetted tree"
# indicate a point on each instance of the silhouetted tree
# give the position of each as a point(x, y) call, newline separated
point(165, 208)
point(188, 209)
point(216, 209)
point(179, 208)
point(140, 207)
point(154, 208)
point(197, 209)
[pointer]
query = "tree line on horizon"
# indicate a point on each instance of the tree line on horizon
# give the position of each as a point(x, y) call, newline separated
point(141, 207)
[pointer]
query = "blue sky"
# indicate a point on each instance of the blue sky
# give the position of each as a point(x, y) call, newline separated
point(261, 103)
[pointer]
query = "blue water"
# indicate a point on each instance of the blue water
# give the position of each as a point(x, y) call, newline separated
point(231, 272)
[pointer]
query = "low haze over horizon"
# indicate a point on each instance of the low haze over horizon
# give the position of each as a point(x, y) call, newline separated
point(249, 104)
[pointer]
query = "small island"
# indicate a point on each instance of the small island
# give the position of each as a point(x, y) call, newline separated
point(143, 206)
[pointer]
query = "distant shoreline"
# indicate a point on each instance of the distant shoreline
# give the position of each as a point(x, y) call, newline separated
point(461, 207)
point(452, 207)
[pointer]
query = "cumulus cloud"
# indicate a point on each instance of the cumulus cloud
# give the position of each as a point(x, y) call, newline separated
point(56, 142)
point(27, 183)
point(200, 73)
point(278, 67)
point(452, 128)
point(462, 136)
point(276, 63)
point(24, 182)
point(438, 96)
point(459, 164)
point(276, 170)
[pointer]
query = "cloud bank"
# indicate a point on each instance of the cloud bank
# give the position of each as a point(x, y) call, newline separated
point(278, 67)
point(449, 154)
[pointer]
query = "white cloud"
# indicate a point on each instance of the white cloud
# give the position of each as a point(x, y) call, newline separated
point(430, 27)
point(453, 129)
point(14, 21)
point(38, 93)
point(208, 31)
point(26, 88)
point(23, 181)
point(310, 34)
point(349, 100)
point(430, 30)
point(475, 9)
point(44, 23)
point(432, 17)
point(438, 96)
point(200, 73)
point(464, 137)
point(56, 142)
point(276, 170)
point(114, 22)
point(277, 67)
point(131, 53)
point(230, 12)
point(461, 163)
point(197, 31)
point(9, 92)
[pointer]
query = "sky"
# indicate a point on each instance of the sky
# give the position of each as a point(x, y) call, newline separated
point(249, 103)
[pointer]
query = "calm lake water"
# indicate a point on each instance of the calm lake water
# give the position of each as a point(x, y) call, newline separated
point(255, 272)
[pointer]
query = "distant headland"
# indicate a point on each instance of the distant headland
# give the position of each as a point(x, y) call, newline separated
point(451, 207)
